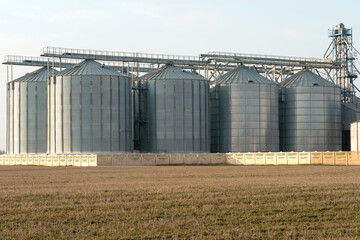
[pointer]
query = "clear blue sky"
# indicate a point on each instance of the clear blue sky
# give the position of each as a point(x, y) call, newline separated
point(289, 28)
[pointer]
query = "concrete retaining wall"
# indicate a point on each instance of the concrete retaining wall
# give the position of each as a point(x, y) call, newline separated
point(137, 159)
point(83, 160)
point(133, 159)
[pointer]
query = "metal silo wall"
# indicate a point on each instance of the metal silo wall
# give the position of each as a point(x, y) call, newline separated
point(41, 126)
point(51, 116)
point(27, 117)
point(10, 118)
point(177, 116)
point(281, 119)
point(16, 116)
point(311, 119)
point(248, 118)
point(23, 115)
point(90, 114)
point(137, 118)
point(350, 112)
point(214, 119)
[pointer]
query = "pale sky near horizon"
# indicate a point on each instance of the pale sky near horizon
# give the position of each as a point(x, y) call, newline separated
point(278, 27)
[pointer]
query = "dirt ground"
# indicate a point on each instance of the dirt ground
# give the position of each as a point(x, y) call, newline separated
point(180, 202)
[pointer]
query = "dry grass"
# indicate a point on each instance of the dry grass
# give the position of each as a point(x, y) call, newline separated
point(222, 202)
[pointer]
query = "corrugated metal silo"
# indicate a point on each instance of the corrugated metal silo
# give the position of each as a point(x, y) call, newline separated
point(89, 110)
point(26, 121)
point(311, 114)
point(350, 112)
point(244, 113)
point(174, 109)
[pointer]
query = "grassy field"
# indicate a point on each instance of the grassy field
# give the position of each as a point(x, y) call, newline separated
point(191, 202)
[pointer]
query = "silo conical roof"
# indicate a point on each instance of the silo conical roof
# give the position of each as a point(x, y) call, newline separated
point(171, 72)
point(243, 75)
point(89, 68)
point(306, 78)
point(36, 76)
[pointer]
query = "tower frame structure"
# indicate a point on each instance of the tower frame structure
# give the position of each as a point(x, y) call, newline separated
point(341, 50)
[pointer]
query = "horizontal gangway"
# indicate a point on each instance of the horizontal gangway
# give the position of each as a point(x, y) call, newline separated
point(210, 64)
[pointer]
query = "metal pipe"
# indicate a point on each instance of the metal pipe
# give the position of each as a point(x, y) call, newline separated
point(48, 107)
point(54, 89)
point(7, 112)
point(132, 109)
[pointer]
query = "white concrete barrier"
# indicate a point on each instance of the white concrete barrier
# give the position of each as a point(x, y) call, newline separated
point(149, 159)
point(69, 160)
point(353, 158)
point(84, 160)
point(304, 158)
point(18, 160)
point(260, 158)
point(292, 158)
point(62, 160)
point(341, 158)
point(328, 158)
point(235, 158)
point(271, 158)
point(77, 160)
point(93, 160)
point(6, 160)
point(316, 157)
point(281, 158)
point(249, 158)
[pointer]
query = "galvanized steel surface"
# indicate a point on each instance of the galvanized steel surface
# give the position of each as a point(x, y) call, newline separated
point(306, 78)
point(26, 121)
point(310, 114)
point(39, 75)
point(243, 75)
point(89, 68)
point(244, 113)
point(350, 112)
point(171, 72)
point(90, 112)
point(174, 110)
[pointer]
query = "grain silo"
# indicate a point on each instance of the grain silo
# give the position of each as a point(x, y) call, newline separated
point(26, 121)
point(311, 114)
point(244, 113)
point(350, 112)
point(174, 105)
point(89, 110)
